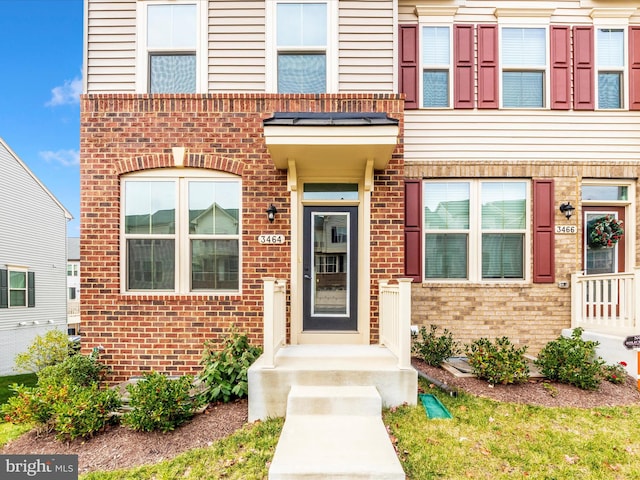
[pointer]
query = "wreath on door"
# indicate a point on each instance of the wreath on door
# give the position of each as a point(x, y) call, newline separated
point(605, 232)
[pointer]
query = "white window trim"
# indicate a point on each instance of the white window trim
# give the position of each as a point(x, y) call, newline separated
point(474, 253)
point(20, 269)
point(546, 78)
point(142, 56)
point(624, 88)
point(331, 52)
point(423, 67)
point(181, 235)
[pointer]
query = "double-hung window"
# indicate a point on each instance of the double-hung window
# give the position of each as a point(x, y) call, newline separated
point(181, 233)
point(169, 38)
point(302, 45)
point(17, 287)
point(475, 230)
point(610, 64)
point(436, 66)
point(524, 67)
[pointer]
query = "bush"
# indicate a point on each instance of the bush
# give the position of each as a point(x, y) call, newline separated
point(498, 363)
point(67, 399)
point(572, 360)
point(225, 371)
point(159, 403)
point(434, 349)
point(77, 370)
point(616, 374)
point(87, 410)
point(45, 350)
point(70, 410)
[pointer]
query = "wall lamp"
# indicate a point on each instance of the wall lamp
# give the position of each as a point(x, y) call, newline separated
point(567, 209)
point(271, 213)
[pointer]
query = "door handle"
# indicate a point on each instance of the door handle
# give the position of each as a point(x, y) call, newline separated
point(307, 276)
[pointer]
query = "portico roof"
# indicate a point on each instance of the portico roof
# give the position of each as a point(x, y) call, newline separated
point(330, 141)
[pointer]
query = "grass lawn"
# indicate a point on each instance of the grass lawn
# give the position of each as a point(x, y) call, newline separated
point(28, 379)
point(484, 440)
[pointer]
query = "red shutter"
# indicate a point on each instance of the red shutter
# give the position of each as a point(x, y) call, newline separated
point(413, 229)
point(464, 66)
point(409, 65)
point(583, 76)
point(560, 68)
point(634, 68)
point(487, 66)
point(543, 231)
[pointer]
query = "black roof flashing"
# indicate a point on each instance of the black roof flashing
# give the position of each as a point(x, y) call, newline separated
point(330, 119)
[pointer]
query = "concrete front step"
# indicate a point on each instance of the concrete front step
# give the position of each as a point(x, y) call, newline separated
point(344, 439)
point(326, 365)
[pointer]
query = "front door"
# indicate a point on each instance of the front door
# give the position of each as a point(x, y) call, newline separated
point(330, 268)
point(599, 259)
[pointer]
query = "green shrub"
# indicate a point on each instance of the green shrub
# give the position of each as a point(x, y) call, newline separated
point(572, 360)
point(70, 410)
point(78, 370)
point(616, 374)
point(67, 399)
point(498, 363)
point(434, 349)
point(45, 350)
point(87, 410)
point(225, 370)
point(159, 403)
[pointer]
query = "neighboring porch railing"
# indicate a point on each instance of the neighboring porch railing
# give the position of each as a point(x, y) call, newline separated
point(395, 319)
point(607, 301)
point(275, 318)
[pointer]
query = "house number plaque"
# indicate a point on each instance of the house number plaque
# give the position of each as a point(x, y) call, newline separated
point(570, 229)
point(271, 239)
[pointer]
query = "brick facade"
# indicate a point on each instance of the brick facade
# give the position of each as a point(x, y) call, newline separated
point(124, 133)
point(528, 313)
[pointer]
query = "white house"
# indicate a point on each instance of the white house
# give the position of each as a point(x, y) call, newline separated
point(33, 228)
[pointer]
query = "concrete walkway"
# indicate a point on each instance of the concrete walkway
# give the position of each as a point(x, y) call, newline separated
point(334, 432)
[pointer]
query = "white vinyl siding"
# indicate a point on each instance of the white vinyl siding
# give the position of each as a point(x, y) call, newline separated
point(110, 46)
point(508, 135)
point(236, 42)
point(365, 36)
point(33, 239)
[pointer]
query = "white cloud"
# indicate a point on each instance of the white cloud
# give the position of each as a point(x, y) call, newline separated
point(66, 158)
point(67, 94)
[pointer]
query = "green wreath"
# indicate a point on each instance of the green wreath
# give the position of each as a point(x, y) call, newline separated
point(605, 232)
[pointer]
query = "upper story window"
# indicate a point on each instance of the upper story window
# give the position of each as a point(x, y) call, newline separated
point(181, 232)
point(524, 67)
point(301, 38)
point(436, 66)
point(610, 64)
point(475, 230)
point(72, 269)
point(169, 47)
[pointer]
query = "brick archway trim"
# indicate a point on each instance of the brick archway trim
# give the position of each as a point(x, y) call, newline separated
point(165, 160)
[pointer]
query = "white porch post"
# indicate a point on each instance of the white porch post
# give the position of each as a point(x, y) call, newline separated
point(268, 319)
point(404, 323)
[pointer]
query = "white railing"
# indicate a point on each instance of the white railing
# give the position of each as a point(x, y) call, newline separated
point(395, 319)
point(607, 301)
point(275, 319)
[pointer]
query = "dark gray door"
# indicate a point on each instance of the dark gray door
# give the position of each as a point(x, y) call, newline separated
point(330, 268)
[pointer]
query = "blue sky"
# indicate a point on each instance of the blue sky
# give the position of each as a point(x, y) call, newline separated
point(40, 84)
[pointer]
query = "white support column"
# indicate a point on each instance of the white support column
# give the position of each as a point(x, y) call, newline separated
point(268, 319)
point(404, 323)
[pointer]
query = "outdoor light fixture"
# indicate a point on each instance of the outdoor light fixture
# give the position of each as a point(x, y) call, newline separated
point(567, 209)
point(271, 213)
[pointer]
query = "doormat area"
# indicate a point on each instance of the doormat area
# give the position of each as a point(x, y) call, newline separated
point(433, 407)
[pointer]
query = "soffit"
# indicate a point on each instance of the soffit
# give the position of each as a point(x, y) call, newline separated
point(331, 143)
